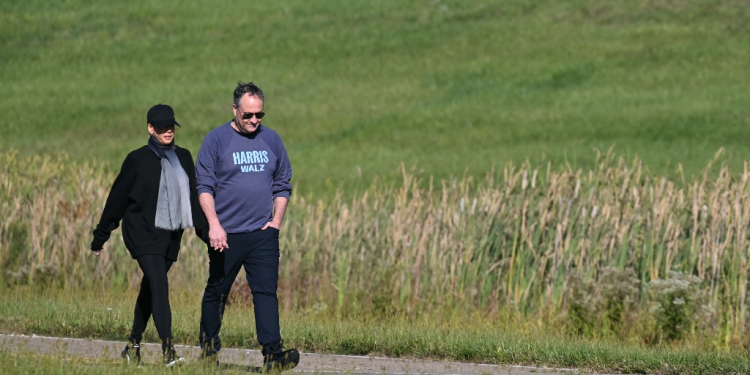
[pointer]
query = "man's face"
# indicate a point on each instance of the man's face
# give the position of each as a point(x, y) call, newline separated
point(164, 135)
point(246, 119)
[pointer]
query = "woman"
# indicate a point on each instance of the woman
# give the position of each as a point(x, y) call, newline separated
point(154, 196)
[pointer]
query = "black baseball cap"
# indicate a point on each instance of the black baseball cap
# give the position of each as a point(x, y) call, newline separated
point(161, 115)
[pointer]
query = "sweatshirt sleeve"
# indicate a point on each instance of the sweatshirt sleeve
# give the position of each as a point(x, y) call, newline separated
point(205, 166)
point(117, 202)
point(282, 185)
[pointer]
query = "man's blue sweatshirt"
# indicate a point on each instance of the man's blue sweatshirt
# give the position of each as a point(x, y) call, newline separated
point(244, 173)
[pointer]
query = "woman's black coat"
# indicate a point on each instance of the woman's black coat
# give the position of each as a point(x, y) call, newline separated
point(133, 200)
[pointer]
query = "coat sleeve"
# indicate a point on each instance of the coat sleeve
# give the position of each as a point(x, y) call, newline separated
point(117, 202)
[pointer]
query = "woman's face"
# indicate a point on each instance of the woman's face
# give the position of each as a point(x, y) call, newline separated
point(164, 135)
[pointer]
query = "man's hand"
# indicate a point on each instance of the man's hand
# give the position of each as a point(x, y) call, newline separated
point(96, 252)
point(272, 224)
point(279, 208)
point(217, 237)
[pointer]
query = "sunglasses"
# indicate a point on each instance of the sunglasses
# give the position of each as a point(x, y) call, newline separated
point(249, 115)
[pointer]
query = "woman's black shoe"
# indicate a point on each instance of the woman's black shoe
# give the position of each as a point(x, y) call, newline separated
point(132, 354)
point(171, 358)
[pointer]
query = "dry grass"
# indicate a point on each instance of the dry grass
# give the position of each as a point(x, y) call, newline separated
point(514, 239)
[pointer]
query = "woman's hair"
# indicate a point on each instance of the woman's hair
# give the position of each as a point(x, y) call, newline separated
point(247, 88)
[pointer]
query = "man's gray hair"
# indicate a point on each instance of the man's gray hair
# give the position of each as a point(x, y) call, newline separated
point(247, 88)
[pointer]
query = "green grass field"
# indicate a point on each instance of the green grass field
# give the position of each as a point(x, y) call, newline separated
point(357, 87)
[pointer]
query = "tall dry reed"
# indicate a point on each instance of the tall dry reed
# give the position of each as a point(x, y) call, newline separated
point(515, 238)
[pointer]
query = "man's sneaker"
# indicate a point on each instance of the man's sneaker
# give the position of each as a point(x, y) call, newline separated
point(171, 358)
point(132, 354)
point(281, 361)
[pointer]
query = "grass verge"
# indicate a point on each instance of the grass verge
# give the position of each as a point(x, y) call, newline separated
point(503, 339)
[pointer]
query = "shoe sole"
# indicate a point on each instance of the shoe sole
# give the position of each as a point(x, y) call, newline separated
point(174, 362)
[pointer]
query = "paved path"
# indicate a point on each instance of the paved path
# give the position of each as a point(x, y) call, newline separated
point(309, 362)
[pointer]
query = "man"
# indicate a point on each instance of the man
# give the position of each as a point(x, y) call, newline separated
point(243, 182)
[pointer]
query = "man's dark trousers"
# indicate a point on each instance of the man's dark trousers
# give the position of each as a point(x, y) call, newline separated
point(259, 252)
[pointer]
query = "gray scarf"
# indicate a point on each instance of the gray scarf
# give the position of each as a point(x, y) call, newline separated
point(173, 210)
